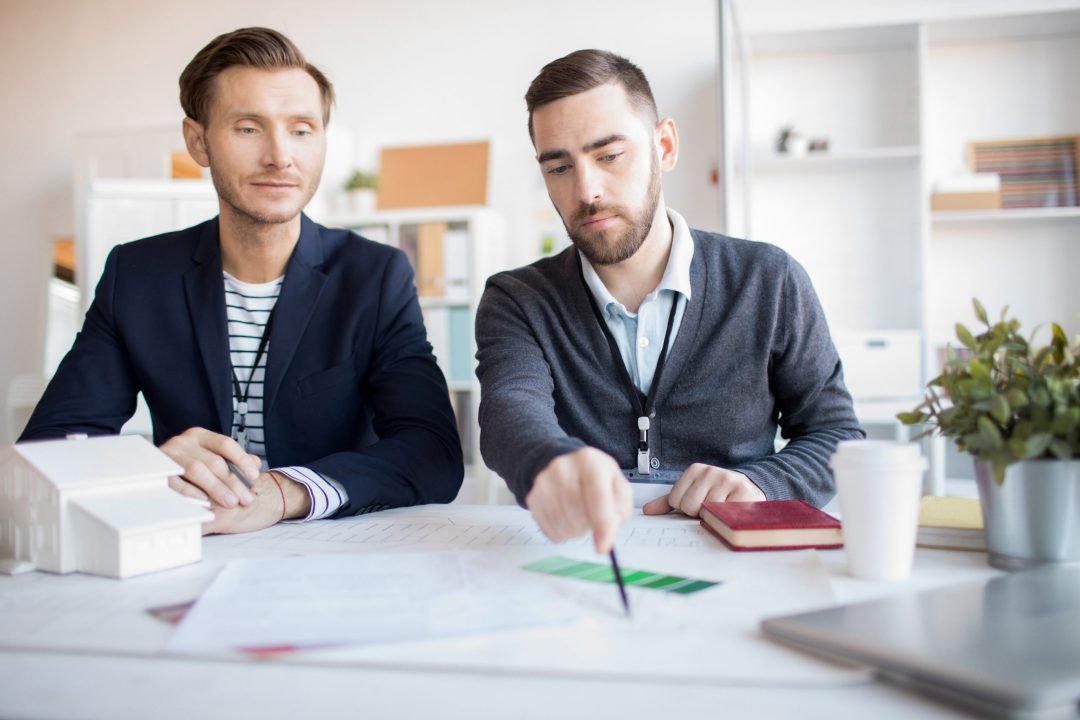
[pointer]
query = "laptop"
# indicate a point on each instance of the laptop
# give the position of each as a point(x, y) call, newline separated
point(1006, 647)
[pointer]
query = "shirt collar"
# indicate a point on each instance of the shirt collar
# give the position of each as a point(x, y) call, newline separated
point(676, 275)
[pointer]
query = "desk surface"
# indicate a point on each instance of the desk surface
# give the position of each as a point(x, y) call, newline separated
point(76, 646)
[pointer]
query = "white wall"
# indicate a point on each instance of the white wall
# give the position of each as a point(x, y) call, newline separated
point(414, 71)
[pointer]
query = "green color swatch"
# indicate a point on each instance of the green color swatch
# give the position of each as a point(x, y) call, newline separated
point(599, 572)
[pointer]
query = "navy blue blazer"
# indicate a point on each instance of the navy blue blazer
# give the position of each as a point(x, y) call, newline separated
point(352, 388)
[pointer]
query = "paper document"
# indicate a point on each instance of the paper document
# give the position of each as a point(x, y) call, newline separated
point(505, 527)
point(332, 600)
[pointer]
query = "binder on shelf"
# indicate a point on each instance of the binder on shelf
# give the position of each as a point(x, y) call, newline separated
point(407, 244)
point(456, 264)
point(461, 345)
point(430, 281)
point(437, 325)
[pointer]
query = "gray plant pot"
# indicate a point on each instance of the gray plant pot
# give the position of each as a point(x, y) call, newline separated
point(1033, 518)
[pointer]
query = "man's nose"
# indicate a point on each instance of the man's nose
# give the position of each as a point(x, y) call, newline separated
point(589, 186)
point(278, 150)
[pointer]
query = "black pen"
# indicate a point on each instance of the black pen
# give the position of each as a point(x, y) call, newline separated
point(619, 582)
point(240, 474)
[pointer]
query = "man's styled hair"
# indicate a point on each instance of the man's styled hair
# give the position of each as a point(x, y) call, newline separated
point(584, 70)
point(255, 47)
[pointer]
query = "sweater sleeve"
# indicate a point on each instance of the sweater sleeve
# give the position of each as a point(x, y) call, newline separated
point(814, 406)
point(519, 430)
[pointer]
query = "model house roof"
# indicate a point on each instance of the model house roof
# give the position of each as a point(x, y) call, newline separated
point(143, 509)
point(89, 462)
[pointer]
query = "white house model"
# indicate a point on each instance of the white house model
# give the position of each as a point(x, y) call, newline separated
point(96, 505)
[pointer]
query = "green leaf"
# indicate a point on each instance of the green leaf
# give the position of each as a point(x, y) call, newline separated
point(1060, 338)
point(1036, 445)
point(1060, 449)
point(999, 466)
point(999, 409)
point(980, 311)
point(989, 432)
point(1017, 398)
point(979, 371)
point(912, 418)
point(964, 336)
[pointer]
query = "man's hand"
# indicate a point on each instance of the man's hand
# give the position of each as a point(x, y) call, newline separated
point(202, 454)
point(581, 491)
point(702, 483)
point(273, 503)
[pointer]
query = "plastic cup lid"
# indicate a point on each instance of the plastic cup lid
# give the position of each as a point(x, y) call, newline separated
point(876, 451)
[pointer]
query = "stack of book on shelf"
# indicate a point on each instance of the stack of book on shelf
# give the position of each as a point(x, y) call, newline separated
point(1038, 172)
point(952, 523)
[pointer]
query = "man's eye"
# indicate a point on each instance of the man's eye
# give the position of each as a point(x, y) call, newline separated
point(246, 130)
point(558, 170)
point(611, 158)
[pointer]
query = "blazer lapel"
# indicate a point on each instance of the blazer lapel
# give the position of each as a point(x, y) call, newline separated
point(299, 295)
point(205, 292)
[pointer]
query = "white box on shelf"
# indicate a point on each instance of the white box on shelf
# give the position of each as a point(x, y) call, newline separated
point(882, 364)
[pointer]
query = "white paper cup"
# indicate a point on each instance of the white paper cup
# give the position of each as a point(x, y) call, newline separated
point(879, 483)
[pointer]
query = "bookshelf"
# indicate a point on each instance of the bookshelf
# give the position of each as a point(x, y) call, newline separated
point(899, 105)
point(453, 250)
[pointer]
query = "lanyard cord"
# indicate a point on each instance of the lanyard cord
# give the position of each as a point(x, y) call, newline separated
point(241, 397)
point(641, 402)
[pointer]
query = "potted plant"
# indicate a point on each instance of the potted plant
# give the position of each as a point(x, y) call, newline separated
point(361, 189)
point(1015, 407)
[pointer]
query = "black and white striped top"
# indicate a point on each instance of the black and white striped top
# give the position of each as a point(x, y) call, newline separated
point(247, 309)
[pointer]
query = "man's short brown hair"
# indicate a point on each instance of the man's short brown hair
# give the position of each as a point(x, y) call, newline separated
point(256, 47)
point(584, 70)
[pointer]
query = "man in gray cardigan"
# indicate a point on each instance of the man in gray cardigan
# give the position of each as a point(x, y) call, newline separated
point(648, 352)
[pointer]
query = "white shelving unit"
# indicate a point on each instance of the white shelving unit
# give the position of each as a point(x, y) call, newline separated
point(479, 234)
point(898, 105)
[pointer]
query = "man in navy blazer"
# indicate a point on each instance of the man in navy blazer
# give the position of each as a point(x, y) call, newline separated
point(260, 338)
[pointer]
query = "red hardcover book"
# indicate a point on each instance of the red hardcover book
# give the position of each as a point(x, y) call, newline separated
point(771, 525)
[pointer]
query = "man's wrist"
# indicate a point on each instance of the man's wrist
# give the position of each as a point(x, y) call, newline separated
point(295, 495)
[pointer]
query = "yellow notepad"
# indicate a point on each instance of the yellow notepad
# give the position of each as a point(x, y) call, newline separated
point(950, 512)
point(951, 522)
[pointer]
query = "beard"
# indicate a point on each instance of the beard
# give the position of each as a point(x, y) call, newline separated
point(229, 193)
point(599, 249)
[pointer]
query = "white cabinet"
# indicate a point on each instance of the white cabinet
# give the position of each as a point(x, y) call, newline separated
point(453, 251)
point(898, 105)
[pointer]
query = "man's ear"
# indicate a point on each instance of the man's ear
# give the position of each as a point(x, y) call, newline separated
point(667, 144)
point(195, 139)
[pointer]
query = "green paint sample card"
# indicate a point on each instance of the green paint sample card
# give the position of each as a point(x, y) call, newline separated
point(599, 572)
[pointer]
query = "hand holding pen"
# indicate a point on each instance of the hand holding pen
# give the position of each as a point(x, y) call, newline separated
point(580, 492)
point(200, 453)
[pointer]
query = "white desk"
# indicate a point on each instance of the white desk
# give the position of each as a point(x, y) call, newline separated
point(81, 647)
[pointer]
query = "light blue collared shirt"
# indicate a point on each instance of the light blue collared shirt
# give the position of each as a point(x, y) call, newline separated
point(640, 336)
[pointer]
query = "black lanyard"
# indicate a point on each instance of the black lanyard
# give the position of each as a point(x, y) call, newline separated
point(241, 398)
point(643, 403)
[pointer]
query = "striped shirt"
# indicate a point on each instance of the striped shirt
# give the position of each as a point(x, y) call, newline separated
point(247, 309)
